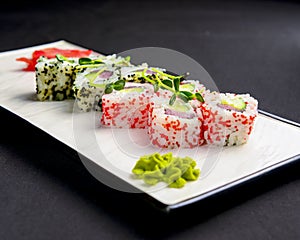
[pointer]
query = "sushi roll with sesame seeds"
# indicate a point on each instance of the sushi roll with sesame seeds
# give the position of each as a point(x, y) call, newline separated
point(228, 118)
point(127, 108)
point(54, 78)
point(89, 88)
point(174, 126)
point(89, 85)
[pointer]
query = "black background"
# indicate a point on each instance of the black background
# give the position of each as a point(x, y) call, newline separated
point(246, 46)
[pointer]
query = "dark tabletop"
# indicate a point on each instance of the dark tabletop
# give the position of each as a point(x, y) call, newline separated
point(246, 46)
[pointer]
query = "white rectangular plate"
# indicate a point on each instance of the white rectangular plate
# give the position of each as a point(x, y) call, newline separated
point(273, 143)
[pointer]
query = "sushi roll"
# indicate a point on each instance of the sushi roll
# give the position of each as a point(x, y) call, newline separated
point(174, 126)
point(54, 79)
point(89, 86)
point(127, 108)
point(228, 118)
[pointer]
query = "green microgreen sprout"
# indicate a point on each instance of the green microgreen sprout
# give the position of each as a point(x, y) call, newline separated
point(159, 79)
point(164, 81)
point(125, 60)
point(62, 58)
point(199, 97)
point(118, 85)
point(172, 99)
point(147, 78)
point(172, 83)
point(85, 62)
point(165, 74)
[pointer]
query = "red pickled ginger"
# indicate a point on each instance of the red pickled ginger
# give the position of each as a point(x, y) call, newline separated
point(51, 53)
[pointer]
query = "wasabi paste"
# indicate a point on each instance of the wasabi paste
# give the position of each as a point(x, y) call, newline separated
point(175, 171)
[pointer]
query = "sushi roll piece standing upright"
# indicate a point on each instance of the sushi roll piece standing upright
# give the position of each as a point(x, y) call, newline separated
point(127, 108)
point(174, 126)
point(54, 78)
point(89, 85)
point(228, 118)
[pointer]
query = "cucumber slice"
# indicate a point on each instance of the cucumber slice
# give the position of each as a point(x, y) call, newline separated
point(237, 103)
point(178, 106)
point(134, 89)
point(187, 87)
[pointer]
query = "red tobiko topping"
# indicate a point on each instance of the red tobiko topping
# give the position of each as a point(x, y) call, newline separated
point(51, 53)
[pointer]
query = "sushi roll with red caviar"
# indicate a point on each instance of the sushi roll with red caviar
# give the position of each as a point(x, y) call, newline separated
point(174, 126)
point(127, 108)
point(228, 118)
